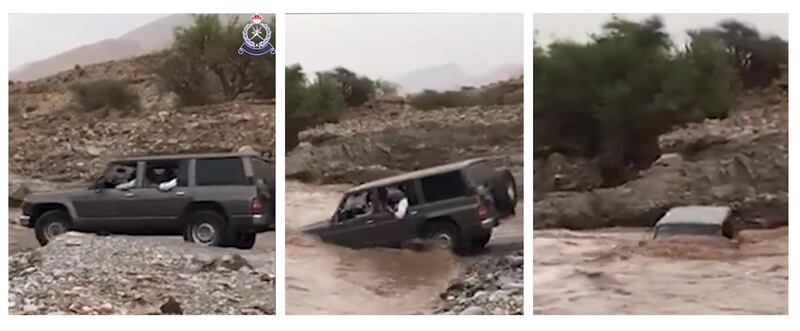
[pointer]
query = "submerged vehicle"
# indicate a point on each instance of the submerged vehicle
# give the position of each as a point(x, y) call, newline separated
point(457, 205)
point(209, 199)
point(695, 220)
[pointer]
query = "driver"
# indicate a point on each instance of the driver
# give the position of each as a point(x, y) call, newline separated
point(127, 177)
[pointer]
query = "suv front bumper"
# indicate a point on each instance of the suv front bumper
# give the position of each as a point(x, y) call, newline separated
point(24, 220)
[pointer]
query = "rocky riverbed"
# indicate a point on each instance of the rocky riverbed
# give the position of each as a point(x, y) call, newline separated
point(493, 285)
point(90, 274)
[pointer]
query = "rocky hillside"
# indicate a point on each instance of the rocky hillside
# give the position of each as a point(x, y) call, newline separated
point(376, 144)
point(51, 138)
point(741, 161)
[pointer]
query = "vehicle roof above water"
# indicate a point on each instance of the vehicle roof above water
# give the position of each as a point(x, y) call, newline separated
point(183, 157)
point(426, 172)
point(695, 215)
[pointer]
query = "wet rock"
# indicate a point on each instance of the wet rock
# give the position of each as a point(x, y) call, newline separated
point(493, 286)
point(30, 309)
point(171, 307)
point(473, 310)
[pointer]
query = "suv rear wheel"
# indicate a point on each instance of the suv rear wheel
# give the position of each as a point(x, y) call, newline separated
point(244, 240)
point(479, 243)
point(447, 236)
point(206, 228)
point(51, 224)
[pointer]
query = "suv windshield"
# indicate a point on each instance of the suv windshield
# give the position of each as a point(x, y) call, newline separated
point(688, 229)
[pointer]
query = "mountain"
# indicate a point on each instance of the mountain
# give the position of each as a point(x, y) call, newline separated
point(153, 36)
point(451, 77)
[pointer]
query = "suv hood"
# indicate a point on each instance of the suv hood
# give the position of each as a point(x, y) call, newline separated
point(54, 195)
point(315, 227)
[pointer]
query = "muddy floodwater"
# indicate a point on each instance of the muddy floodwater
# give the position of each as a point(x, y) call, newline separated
point(329, 279)
point(621, 272)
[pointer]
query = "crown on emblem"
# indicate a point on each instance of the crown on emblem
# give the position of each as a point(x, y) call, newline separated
point(256, 18)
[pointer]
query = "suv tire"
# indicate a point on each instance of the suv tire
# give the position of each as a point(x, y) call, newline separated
point(480, 242)
point(50, 224)
point(207, 228)
point(447, 235)
point(244, 240)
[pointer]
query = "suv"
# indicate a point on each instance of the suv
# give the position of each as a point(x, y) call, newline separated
point(696, 221)
point(457, 205)
point(210, 199)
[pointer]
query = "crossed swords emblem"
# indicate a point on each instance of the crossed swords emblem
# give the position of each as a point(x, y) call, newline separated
point(255, 31)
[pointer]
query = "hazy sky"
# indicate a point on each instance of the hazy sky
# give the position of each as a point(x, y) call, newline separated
point(388, 45)
point(37, 36)
point(578, 26)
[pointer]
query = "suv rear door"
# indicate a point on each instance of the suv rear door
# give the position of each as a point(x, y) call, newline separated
point(152, 209)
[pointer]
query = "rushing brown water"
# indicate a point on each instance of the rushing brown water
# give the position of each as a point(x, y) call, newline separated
point(329, 279)
point(621, 272)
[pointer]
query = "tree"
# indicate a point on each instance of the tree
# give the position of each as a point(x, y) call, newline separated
point(203, 65)
point(758, 59)
point(613, 96)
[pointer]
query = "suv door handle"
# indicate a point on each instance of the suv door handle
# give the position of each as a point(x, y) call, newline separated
point(180, 193)
point(129, 195)
point(370, 221)
point(413, 212)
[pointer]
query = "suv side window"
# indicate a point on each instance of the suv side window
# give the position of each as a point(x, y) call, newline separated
point(355, 205)
point(443, 186)
point(222, 171)
point(158, 172)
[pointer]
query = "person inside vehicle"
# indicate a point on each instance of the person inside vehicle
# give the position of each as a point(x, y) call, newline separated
point(168, 180)
point(396, 203)
point(356, 205)
point(126, 177)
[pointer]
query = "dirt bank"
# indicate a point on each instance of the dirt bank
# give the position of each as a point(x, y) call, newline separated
point(376, 145)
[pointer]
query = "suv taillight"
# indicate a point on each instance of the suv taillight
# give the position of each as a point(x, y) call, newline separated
point(483, 210)
point(255, 206)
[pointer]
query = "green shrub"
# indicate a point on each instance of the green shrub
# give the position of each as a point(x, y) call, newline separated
point(309, 103)
point(613, 96)
point(105, 93)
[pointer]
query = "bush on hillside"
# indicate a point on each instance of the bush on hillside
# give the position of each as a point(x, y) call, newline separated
point(105, 93)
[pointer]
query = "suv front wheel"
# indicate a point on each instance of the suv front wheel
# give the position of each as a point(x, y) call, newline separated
point(51, 224)
point(206, 228)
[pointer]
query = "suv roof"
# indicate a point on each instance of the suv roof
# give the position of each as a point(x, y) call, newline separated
point(695, 215)
point(417, 174)
point(183, 156)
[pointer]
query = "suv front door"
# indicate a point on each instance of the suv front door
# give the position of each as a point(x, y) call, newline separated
point(104, 206)
point(379, 227)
